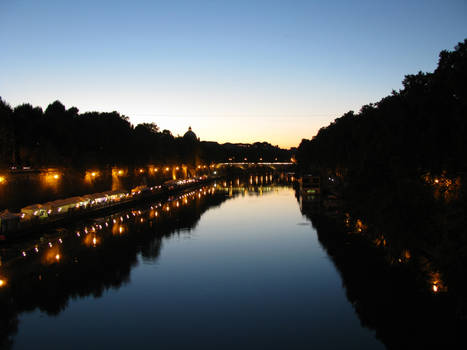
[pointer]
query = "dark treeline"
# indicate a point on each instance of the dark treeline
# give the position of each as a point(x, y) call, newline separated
point(58, 136)
point(402, 164)
point(420, 128)
point(407, 143)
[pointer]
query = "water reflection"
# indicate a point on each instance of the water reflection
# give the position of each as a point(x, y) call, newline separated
point(394, 288)
point(90, 257)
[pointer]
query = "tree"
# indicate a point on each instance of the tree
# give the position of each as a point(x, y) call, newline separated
point(6, 134)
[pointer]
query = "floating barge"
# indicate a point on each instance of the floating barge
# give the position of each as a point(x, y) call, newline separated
point(36, 217)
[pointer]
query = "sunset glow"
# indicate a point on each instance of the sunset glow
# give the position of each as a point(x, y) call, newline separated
point(276, 72)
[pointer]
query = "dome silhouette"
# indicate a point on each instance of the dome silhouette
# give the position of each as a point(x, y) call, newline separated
point(190, 135)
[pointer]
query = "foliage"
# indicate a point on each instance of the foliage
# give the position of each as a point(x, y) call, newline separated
point(420, 128)
point(58, 136)
point(403, 160)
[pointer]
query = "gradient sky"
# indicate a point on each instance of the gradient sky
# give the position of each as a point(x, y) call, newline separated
point(238, 71)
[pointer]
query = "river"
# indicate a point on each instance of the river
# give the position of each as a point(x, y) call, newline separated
point(229, 266)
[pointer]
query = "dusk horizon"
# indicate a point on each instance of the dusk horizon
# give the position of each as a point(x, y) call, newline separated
point(250, 174)
point(293, 67)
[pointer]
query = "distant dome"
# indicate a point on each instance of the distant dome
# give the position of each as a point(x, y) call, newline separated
point(190, 135)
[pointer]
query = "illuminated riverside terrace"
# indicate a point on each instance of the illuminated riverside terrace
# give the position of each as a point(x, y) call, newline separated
point(234, 264)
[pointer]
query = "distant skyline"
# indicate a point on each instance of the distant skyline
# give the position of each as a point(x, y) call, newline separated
point(235, 71)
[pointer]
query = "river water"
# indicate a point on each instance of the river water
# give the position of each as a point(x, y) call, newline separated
point(222, 268)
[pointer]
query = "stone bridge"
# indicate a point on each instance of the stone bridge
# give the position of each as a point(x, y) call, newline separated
point(251, 165)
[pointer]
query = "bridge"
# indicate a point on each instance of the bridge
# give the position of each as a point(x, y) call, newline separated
point(249, 165)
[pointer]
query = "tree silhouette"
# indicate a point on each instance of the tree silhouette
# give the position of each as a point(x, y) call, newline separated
point(63, 137)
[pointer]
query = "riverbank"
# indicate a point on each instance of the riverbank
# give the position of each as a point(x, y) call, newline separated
point(35, 218)
point(392, 294)
point(410, 269)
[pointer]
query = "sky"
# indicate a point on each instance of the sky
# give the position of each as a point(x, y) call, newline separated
point(235, 71)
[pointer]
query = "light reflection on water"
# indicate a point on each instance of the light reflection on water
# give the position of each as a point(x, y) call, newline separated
point(244, 274)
